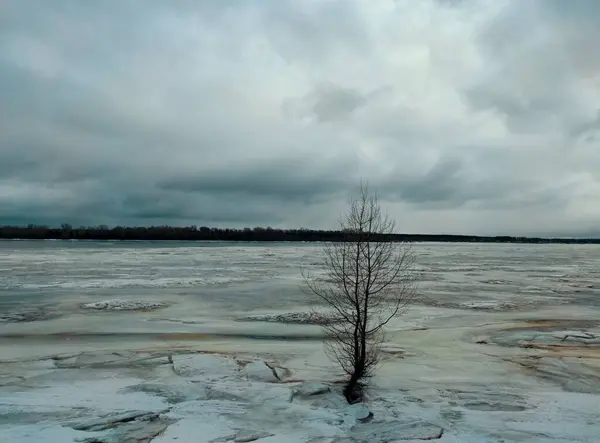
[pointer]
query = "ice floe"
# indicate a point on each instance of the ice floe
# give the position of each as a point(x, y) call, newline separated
point(124, 305)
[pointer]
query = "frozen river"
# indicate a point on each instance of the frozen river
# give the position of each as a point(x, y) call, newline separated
point(500, 333)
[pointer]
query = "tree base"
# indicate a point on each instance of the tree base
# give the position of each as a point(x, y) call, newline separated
point(354, 393)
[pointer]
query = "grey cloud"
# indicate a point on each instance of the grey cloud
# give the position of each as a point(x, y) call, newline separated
point(588, 130)
point(534, 78)
point(194, 209)
point(270, 112)
point(311, 32)
point(298, 180)
point(331, 103)
point(439, 185)
point(448, 184)
point(327, 103)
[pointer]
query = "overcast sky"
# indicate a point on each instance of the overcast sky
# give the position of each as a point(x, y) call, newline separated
point(466, 116)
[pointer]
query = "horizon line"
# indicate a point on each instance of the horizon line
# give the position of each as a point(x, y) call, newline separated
point(104, 227)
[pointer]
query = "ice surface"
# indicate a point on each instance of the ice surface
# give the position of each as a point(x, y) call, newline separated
point(260, 371)
point(502, 345)
point(203, 366)
point(213, 400)
point(42, 433)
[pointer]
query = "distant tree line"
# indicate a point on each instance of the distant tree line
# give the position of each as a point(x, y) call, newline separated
point(268, 234)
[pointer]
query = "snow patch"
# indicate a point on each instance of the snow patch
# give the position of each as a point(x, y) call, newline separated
point(124, 305)
point(303, 318)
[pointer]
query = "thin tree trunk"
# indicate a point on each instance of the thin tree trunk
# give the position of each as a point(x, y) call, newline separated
point(366, 283)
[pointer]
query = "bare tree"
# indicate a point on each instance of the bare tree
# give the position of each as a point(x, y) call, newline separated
point(367, 280)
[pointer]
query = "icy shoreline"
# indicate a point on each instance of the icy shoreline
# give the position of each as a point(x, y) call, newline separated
point(494, 383)
point(190, 398)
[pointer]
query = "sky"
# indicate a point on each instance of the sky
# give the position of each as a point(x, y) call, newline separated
point(465, 117)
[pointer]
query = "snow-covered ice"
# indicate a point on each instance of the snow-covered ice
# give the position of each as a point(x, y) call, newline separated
point(502, 345)
point(108, 404)
point(307, 318)
point(123, 305)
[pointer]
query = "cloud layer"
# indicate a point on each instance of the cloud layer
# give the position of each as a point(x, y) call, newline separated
point(467, 117)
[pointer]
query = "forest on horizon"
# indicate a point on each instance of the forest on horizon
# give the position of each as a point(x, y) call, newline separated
point(261, 234)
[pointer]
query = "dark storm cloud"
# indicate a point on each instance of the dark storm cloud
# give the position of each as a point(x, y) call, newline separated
point(465, 116)
point(292, 180)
